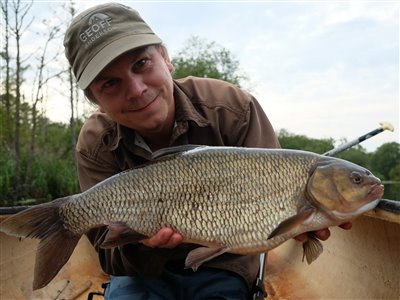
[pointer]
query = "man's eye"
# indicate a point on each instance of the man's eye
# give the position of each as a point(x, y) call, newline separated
point(109, 83)
point(140, 64)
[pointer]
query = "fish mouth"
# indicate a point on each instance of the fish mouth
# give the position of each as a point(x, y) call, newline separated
point(376, 191)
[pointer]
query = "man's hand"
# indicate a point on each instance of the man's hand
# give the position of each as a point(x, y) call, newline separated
point(165, 238)
point(322, 234)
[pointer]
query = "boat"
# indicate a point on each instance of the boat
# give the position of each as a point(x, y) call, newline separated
point(361, 263)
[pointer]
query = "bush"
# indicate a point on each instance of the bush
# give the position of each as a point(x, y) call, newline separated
point(51, 178)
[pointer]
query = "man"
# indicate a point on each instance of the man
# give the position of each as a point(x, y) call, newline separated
point(125, 70)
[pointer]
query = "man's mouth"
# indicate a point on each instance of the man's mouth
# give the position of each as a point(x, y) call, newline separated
point(134, 109)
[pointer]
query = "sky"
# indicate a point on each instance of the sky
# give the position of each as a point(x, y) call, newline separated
point(324, 69)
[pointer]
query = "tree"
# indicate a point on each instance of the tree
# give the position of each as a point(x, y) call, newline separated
point(357, 155)
point(385, 162)
point(386, 158)
point(207, 59)
point(42, 78)
point(20, 12)
point(302, 142)
point(73, 93)
point(6, 117)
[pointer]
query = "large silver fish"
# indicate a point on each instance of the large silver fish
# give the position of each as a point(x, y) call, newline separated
point(238, 200)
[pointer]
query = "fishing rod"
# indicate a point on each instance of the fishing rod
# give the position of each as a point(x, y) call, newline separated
point(383, 126)
point(260, 293)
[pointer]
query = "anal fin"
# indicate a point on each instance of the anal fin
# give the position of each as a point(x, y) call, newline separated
point(312, 248)
point(200, 255)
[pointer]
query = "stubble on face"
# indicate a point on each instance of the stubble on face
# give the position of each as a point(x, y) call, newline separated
point(136, 91)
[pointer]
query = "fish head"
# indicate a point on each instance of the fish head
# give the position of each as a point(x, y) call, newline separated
point(342, 189)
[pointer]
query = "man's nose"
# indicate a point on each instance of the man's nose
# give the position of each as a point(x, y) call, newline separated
point(135, 87)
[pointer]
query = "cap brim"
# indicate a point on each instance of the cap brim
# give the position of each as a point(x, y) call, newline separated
point(111, 52)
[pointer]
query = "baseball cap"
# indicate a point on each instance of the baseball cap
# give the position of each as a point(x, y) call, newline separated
point(100, 34)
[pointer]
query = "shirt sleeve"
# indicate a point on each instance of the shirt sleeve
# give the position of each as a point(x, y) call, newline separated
point(92, 171)
point(94, 162)
point(256, 130)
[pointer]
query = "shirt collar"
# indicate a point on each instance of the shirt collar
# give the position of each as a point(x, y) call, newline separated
point(184, 108)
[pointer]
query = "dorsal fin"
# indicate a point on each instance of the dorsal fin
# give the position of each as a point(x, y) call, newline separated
point(164, 154)
point(173, 151)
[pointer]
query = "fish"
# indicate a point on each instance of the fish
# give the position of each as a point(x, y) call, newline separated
point(225, 199)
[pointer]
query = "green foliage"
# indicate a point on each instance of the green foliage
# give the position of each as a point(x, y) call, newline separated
point(7, 163)
point(207, 59)
point(357, 155)
point(386, 161)
point(53, 179)
point(386, 158)
point(301, 142)
point(53, 166)
point(53, 175)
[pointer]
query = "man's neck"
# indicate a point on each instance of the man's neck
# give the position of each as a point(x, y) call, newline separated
point(160, 139)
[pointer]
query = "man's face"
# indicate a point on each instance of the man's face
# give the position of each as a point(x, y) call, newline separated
point(136, 90)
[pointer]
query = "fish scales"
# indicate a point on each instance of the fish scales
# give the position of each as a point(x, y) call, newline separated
point(201, 195)
point(237, 200)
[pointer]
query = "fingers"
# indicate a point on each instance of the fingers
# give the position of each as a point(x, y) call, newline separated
point(164, 238)
point(346, 226)
point(301, 237)
point(322, 234)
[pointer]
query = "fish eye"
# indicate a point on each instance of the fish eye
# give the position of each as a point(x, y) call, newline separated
point(356, 177)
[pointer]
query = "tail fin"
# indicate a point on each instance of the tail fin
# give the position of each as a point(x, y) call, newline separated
point(56, 242)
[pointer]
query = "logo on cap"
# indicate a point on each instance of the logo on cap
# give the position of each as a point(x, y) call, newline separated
point(99, 25)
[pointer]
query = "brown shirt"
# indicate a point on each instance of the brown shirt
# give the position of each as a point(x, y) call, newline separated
point(207, 112)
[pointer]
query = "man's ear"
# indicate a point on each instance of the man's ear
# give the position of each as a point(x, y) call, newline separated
point(92, 99)
point(164, 53)
point(89, 95)
point(170, 66)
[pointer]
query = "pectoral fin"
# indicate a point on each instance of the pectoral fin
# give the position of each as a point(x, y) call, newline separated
point(119, 234)
point(200, 255)
point(312, 248)
point(292, 223)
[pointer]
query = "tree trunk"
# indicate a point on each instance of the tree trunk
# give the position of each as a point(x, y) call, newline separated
point(72, 120)
point(7, 124)
point(17, 149)
point(20, 13)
